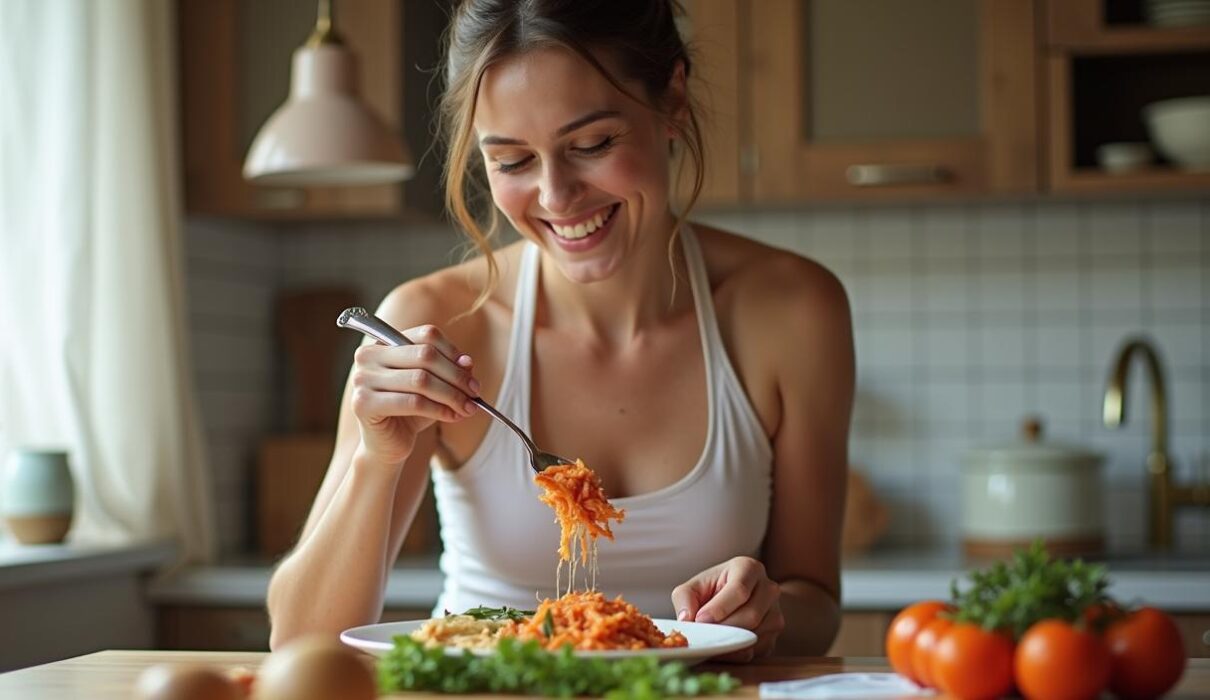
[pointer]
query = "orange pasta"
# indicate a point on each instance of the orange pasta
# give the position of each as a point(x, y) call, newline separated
point(589, 621)
point(582, 510)
point(585, 620)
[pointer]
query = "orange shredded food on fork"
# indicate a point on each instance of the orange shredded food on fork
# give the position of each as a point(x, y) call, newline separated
point(588, 621)
point(583, 513)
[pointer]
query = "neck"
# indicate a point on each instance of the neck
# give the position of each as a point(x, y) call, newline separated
point(613, 313)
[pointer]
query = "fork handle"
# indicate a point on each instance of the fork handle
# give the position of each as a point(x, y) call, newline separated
point(358, 319)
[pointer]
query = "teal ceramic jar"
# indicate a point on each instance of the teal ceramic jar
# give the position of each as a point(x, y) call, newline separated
point(38, 495)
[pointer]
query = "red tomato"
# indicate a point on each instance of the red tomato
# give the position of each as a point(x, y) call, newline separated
point(1147, 656)
point(922, 650)
point(1100, 615)
point(902, 633)
point(1056, 661)
point(971, 663)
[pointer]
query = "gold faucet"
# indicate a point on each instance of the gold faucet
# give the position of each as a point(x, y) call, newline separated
point(1163, 494)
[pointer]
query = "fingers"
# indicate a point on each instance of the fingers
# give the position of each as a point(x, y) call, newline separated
point(741, 579)
point(432, 335)
point(688, 597)
point(767, 633)
point(433, 370)
point(375, 406)
point(751, 614)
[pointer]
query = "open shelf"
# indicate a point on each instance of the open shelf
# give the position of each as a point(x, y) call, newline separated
point(1140, 39)
point(1166, 179)
point(1098, 99)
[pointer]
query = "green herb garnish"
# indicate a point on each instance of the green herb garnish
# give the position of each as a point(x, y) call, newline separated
point(548, 626)
point(1013, 595)
point(504, 613)
point(527, 668)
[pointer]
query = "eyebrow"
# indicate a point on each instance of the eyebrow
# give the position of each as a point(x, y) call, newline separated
point(561, 131)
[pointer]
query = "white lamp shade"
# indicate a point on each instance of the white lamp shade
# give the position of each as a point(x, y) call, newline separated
point(324, 134)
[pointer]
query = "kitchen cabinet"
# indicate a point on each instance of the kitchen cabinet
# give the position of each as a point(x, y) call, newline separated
point(863, 633)
point(711, 29)
point(234, 67)
point(877, 99)
point(1103, 63)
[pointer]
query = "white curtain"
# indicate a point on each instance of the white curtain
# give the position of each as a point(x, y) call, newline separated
point(93, 346)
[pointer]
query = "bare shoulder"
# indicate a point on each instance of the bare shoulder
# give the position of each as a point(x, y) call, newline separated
point(771, 287)
point(444, 297)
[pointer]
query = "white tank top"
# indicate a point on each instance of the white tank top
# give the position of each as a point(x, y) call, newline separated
point(500, 542)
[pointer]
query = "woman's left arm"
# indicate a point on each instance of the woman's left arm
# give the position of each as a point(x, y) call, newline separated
point(792, 599)
point(817, 373)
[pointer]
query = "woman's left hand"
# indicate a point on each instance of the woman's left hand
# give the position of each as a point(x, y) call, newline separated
point(737, 592)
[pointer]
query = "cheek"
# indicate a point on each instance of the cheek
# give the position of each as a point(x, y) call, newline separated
point(511, 195)
point(637, 169)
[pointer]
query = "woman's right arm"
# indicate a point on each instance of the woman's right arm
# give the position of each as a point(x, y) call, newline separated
point(335, 576)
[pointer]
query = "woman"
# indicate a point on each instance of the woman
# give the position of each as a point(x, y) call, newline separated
point(706, 379)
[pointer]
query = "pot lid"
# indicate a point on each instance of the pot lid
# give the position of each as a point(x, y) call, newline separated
point(1031, 450)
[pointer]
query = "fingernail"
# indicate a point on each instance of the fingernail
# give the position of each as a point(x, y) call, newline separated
point(465, 360)
point(704, 617)
point(682, 614)
point(474, 385)
point(470, 407)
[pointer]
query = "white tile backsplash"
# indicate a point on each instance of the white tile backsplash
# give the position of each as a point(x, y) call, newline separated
point(967, 318)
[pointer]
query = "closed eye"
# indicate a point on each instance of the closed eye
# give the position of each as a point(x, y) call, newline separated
point(604, 145)
point(503, 167)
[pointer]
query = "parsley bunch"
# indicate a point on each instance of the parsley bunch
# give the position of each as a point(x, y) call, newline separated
point(526, 668)
point(1013, 595)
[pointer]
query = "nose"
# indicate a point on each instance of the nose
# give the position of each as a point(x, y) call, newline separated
point(560, 188)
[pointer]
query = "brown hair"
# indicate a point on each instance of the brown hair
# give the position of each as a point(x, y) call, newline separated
point(641, 34)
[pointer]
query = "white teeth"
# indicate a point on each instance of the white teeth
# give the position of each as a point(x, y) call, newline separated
point(583, 228)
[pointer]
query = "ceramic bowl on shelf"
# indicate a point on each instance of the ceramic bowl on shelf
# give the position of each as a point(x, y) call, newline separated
point(1180, 129)
point(1124, 156)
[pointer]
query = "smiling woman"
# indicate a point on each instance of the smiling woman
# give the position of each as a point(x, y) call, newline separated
point(708, 379)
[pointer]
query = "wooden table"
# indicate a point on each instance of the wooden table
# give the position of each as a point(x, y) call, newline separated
point(110, 675)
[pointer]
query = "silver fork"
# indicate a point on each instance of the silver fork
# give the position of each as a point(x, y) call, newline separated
point(358, 319)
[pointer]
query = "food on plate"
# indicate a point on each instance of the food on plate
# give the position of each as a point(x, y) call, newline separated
point(590, 621)
point(583, 512)
point(1044, 627)
point(460, 631)
point(584, 620)
point(185, 682)
point(316, 668)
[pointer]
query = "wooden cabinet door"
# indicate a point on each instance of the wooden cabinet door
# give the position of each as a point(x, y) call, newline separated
point(711, 29)
point(235, 70)
point(870, 99)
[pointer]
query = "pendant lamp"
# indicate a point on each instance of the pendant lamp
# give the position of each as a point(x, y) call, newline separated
point(324, 134)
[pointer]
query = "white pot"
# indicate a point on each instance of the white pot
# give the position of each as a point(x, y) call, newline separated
point(1015, 493)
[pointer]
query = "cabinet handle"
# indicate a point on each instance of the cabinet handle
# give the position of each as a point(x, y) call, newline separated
point(876, 175)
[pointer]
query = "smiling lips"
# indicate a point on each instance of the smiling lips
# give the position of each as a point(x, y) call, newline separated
point(586, 226)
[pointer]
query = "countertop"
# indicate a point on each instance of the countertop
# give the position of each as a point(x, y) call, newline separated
point(110, 675)
point(880, 580)
point(34, 565)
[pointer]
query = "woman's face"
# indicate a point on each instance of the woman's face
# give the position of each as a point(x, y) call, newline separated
point(575, 165)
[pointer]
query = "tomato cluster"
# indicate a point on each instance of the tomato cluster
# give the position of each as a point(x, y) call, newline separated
point(1134, 654)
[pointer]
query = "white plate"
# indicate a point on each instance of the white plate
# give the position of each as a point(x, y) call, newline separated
point(705, 641)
